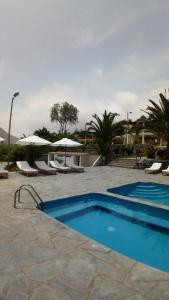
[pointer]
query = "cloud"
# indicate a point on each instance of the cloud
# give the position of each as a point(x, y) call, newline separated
point(105, 19)
point(96, 55)
point(34, 112)
point(2, 68)
point(126, 99)
point(98, 72)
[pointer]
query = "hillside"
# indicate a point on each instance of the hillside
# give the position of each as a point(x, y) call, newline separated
point(4, 135)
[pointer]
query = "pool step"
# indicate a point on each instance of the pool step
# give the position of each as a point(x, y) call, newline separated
point(62, 211)
point(138, 216)
point(144, 192)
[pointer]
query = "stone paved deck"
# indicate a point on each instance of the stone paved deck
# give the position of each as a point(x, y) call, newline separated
point(41, 259)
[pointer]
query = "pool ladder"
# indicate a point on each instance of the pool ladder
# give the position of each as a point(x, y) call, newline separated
point(31, 191)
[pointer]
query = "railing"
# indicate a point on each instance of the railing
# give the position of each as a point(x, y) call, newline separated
point(97, 161)
point(31, 191)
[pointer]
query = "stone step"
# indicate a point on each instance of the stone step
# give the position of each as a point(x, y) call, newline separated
point(123, 163)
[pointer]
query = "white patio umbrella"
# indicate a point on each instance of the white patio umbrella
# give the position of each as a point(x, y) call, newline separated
point(1, 139)
point(66, 143)
point(33, 140)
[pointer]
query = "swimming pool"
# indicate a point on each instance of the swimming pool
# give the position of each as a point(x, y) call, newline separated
point(136, 230)
point(154, 192)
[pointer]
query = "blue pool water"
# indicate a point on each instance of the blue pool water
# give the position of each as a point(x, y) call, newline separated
point(136, 230)
point(150, 191)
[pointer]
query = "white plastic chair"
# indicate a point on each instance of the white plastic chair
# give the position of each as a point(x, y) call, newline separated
point(44, 168)
point(26, 169)
point(165, 171)
point(155, 168)
point(3, 173)
point(74, 167)
point(60, 168)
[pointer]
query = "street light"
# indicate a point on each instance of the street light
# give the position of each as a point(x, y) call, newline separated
point(127, 137)
point(10, 118)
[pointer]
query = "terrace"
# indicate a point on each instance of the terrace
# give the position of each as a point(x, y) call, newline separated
point(43, 259)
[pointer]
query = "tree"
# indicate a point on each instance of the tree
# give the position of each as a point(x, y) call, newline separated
point(46, 134)
point(158, 119)
point(105, 130)
point(64, 114)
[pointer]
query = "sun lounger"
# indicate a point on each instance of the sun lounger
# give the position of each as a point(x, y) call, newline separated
point(3, 173)
point(165, 171)
point(155, 168)
point(44, 168)
point(25, 168)
point(60, 168)
point(74, 167)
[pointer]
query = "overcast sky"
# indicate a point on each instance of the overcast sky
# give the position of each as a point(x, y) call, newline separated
point(95, 54)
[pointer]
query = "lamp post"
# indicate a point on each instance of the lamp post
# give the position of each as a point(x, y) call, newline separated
point(127, 137)
point(10, 119)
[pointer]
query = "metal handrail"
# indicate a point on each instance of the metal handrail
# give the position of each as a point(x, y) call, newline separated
point(36, 193)
point(17, 194)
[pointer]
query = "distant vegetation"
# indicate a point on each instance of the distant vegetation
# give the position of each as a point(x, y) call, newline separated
point(105, 130)
point(158, 119)
point(64, 114)
point(108, 134)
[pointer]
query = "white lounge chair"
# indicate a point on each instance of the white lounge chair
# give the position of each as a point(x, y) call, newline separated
point(74, 167)
point(155, 168)
point(44, 168)
point(165, 171)
point(60, 168)
point(3, 173)
point(25, 168)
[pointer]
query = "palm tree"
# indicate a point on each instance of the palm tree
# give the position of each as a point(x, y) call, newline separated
point(105, 130)
point(158, 119)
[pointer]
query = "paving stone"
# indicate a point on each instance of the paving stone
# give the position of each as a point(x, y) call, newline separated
point(44, 239)
point(41, 258)
point(17, 296)
point(71, 235)
point(40, 254)
point(143, 287)
point(135, 297)
point(5, 283)
point(80, 271)
point(115, 272)
point(60, 284)
point(115, 260)
point(46, 293)
point(160, 292)
point(93, 246)
point(105, 288)
point(45, 270)
point(19, 283)
point(7, 231)
point(145, 273)
point(65, 245)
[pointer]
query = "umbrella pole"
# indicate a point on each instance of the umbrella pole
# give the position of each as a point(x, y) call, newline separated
point(65, 156)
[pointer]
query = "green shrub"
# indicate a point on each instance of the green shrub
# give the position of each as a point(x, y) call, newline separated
point(161, 153)
point(3, 153)
point(17, 152)
point(150, 152)
point(11, 167)
point(118, 140)
point(129, 149)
